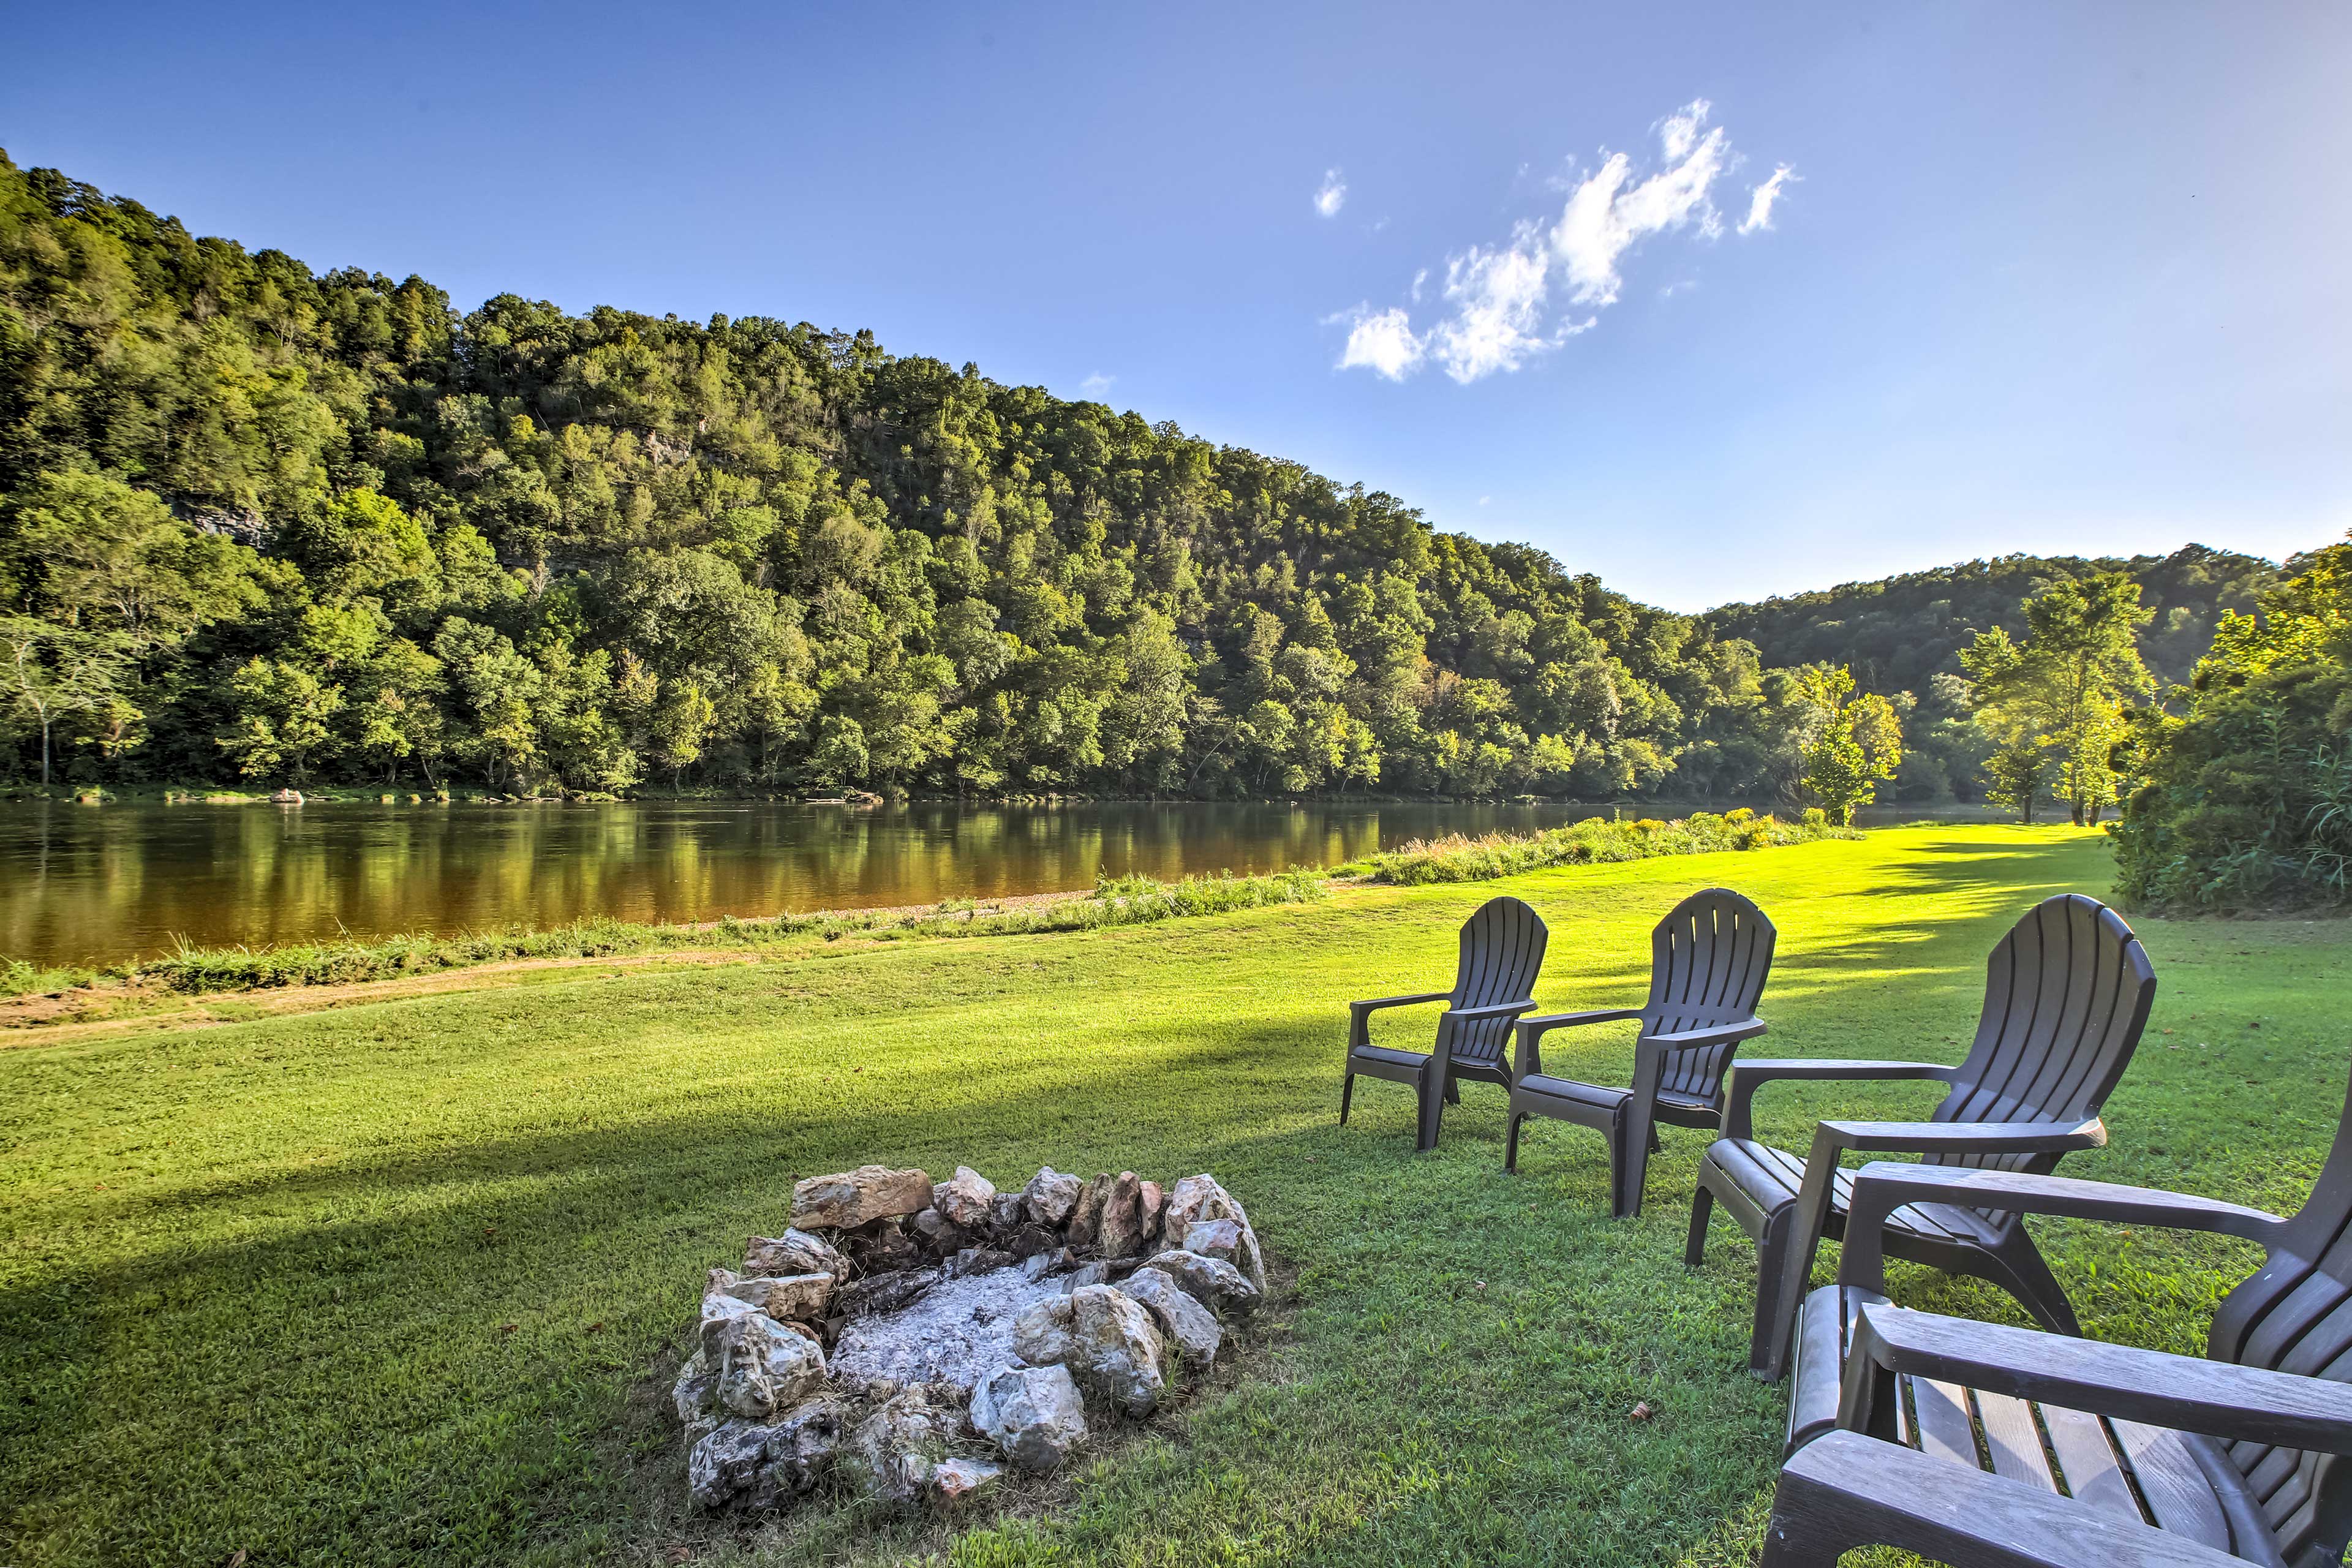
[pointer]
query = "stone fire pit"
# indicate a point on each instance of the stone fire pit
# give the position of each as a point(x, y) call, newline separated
point(912, 1339)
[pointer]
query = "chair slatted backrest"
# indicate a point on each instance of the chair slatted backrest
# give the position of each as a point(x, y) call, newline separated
point(1709, 960)
point(1502, 951)
point(2066, 994)
point(2295, 1315)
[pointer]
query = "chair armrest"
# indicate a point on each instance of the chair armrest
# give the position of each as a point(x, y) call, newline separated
point(1883, 1186)
point(2188, 1394)
point(1961, 1137)
point(1712, 1034)
point(1377, 1003)
point(1494, 1010)
point(1526, 1058)
point(1925, 1502)
point(1748, 1077)
point(1360, 1013)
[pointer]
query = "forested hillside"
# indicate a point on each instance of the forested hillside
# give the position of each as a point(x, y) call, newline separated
point(1898, 633)
point(260, 521)
point(1902, 636)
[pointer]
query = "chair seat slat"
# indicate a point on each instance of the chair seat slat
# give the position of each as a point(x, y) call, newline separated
point(2086, 1456)
point(2011, 1440)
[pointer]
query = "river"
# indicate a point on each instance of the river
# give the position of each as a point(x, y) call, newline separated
point(82, 884)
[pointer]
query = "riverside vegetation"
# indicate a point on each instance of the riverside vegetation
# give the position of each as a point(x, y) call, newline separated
point(406, 1281)
point(1114, 901)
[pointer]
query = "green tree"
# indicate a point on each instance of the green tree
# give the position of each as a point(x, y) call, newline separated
point(2064, 685)
point(281, 719)
point(2015, 776)
point(1858, 743)
point(58, 674)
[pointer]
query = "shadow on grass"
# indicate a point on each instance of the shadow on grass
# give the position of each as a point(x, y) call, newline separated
point(432, 1355)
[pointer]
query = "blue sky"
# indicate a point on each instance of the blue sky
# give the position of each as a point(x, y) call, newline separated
point(2053, 278)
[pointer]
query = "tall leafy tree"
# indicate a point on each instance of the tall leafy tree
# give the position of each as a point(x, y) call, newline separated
point(2063, 688)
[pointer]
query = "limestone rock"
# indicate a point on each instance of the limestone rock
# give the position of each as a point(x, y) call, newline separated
point(794, 1252)
point(1200, 1197)
point(1191, 1326)
point(978, 1260)
point(757, 1464)
point(1085, 1217)
point(1151, 1205)
point(965, 1198)
point(1006, 1213)
point(783, 1297)
point(935, 1232)
point(696, 1390)
point(848, 1199)
point(1050, 1196)
point(1117, 1352)
point(1219, 1238)
point(1044, 1261)
point(958, 1481)
point(1041, 1335)
point(895, 1448)
point(1208, 1280)
point(1119, 1232)
point(724, 1463)
point(1029, 1240)
point(1095, 1273)
point(718, 1307)
point(1032, 1414)
point(764, 1366)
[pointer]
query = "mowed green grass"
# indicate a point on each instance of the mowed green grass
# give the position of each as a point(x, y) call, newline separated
point(400, 1283)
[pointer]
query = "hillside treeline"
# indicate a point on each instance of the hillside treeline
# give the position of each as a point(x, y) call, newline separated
point(1903, 637)
point(258, 521)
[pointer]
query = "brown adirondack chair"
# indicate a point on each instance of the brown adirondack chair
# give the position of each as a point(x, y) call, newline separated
point(2066, 994)
point(2243, 1457)
point(1494, 983)
point(1708, 959)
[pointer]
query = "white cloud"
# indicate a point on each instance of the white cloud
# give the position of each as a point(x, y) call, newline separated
point(1495, 299)
point(1603, 218)
point(1761, 197)
point(1097, 384)
point(1332, 194)
point(1382, 340)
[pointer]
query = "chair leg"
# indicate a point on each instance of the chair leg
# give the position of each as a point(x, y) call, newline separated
point(1511, 1143)
point(1768, 1345)
point(1453, 1091)
point(1347, 1097)
point(1622, 1160)
point(1633, 1159)
point(1702, 1210)
point(1431, 1099)
point(2030, 1281)
point(1800, 1533)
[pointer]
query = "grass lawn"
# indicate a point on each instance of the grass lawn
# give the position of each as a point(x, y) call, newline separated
point(399, 1282)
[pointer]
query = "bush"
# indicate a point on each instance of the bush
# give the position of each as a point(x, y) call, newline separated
point(1458, 858)
point(2245, 801)
point(1131, 900)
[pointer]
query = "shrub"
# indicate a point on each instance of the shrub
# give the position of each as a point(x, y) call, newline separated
point(1459, 858)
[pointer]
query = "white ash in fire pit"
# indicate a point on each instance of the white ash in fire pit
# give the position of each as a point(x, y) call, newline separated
point(911, 1337)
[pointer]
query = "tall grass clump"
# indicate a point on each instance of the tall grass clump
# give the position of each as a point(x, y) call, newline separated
point(1457, 858)
point(1130, 900)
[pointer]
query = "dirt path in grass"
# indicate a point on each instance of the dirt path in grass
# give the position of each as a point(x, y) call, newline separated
point(141, 1005)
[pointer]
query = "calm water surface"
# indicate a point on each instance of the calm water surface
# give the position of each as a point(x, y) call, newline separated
point(97, 884)
point(100, 883)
